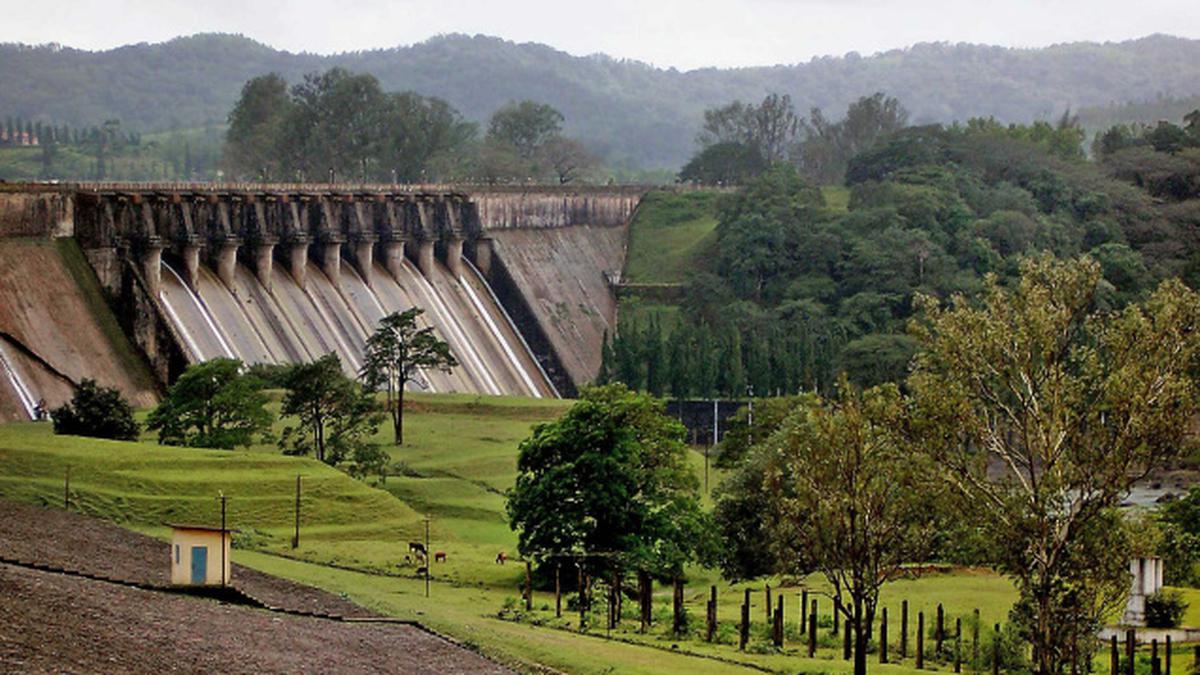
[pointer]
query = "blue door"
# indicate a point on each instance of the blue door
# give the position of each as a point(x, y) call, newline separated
point(199, 564)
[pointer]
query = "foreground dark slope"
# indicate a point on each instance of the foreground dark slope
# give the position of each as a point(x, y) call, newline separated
point(628, 110)
point(54, 622)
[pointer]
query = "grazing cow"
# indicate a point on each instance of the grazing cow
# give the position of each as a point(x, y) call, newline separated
point(408, 560)
point(416, 547)
point(422, 571)
point(501, 557)
point(440, 556)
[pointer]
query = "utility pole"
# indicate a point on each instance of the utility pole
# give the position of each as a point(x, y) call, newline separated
point(750, 413)
point(296, 537)
point(223, 535)
point(428, 556)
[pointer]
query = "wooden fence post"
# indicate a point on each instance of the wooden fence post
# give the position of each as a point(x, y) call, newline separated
point(678, 627)
point(777, 629)
point(920, 640)
point(939, 633)
point(975, 642)
point(812, 630)
point(996, 650)
point(1130, 650)
point(712, 613)
point(558, 590)
point(1155, 665)
point(647, 599)
point(744, 635)
point(958, 645)
point(528, 585)
point(803, 611)
point(883, 645)
point(1114, 656)
point(1167, 657)
point(767, 594)
point(582, 596)
point(904, 630)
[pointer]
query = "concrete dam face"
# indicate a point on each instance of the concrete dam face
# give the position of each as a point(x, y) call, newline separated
point(285, 274)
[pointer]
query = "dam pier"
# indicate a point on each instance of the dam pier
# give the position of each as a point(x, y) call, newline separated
point(514, 279)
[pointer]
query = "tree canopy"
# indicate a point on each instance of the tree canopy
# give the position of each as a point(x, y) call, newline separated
point(334, 418)
point(1073, 404)
point(212, 405)
point(396, 354)
point(96, 411)
point(608, 484)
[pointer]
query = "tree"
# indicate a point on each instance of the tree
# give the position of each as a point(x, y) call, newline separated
point(526, 125)
point(255, 127)
point(1076, 405)
point(99, 412)
point(769, 128)
point(1179, 522)
point(335, 419)
point(212, 405)
point(342, 121)
point(397, 354)
point(828, 147)
point(609, 484)
point(851, 498)
point(726, 163)
point(565, 159)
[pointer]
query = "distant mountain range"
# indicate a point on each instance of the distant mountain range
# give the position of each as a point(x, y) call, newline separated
point(632, 113)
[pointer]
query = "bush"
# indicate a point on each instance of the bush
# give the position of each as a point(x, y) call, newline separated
point(98, 412)
point(1165, 609)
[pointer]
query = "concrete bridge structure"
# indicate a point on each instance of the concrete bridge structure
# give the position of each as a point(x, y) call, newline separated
point(514, 278)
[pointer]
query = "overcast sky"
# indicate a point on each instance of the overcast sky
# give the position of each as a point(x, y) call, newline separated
point(681, 33)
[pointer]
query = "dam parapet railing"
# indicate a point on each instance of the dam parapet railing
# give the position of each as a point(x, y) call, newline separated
point(33, 208)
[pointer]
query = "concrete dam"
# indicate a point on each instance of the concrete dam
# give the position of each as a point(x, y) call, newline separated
point(130, 283)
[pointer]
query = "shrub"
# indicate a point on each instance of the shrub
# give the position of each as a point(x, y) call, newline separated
point(1165, 609)
point(98, 412)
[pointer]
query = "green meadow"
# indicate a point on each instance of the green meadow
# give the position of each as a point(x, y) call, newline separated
point(459, 458)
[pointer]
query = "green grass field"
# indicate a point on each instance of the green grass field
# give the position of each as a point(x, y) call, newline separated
point(667, 234)
point(459, 457)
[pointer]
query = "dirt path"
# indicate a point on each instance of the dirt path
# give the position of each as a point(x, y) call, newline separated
point(52, 622)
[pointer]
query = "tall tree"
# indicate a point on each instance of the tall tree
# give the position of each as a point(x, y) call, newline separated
point(212, 405)
point(526, 125)
point(255, 126)
point(566, 160)
point(396, 354)
point(99, 412)
point(335, 419)
point(609, 483)
point(850, 499)
point(1075, 405)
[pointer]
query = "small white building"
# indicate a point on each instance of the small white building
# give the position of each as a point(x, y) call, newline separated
point(1147, 580)
point(200, 555)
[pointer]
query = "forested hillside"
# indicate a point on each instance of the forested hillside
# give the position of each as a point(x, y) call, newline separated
point(787, 289)
point(628, 112)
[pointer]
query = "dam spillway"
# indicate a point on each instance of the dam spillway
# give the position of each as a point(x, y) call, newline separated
point(282, 278)
point(514, 279)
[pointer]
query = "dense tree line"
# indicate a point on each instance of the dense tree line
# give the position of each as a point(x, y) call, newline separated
point(791, 292)
point(343, 126)
point(634, 114)
point(1075, 400)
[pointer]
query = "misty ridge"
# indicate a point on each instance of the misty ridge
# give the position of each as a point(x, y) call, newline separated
point(629, 113)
